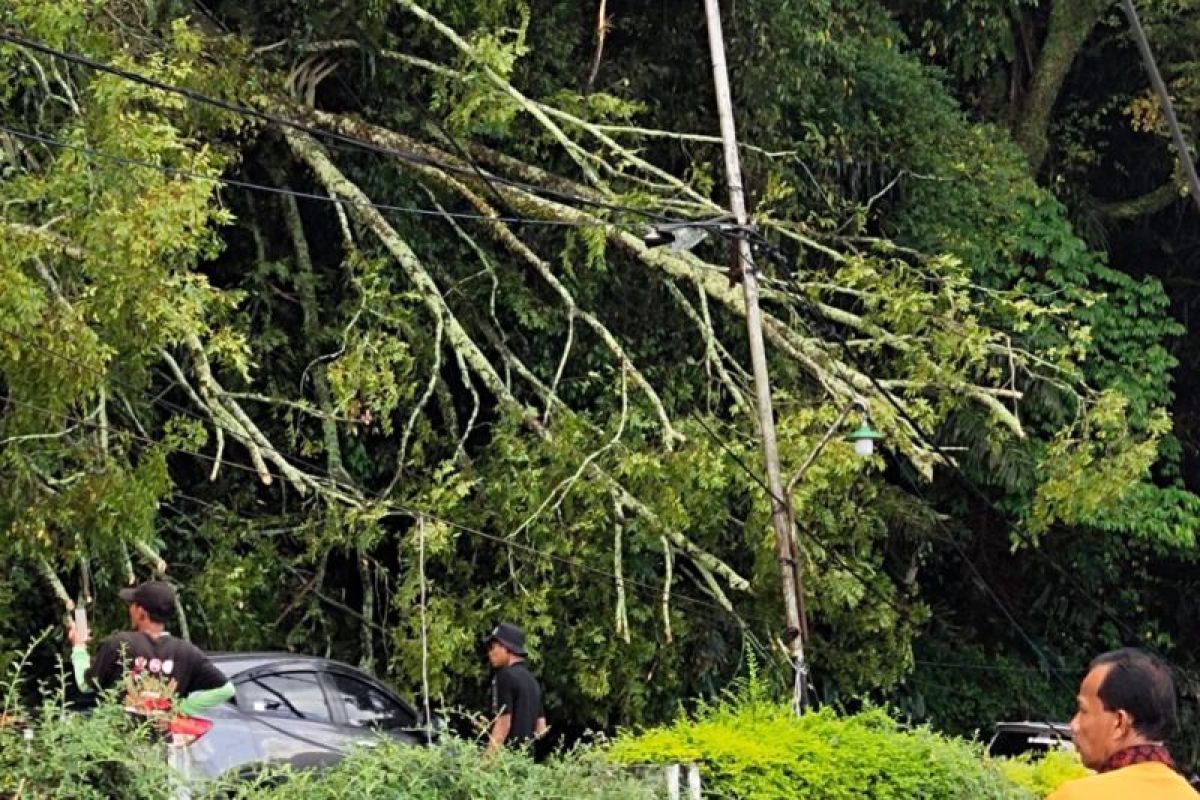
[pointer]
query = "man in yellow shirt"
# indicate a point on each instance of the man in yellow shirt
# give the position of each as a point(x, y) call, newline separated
point(1126, 711)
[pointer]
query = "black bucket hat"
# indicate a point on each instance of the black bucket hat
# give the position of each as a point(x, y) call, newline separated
point(508, 635)
point(157, 597)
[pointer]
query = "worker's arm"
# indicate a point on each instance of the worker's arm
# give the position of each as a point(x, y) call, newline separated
point(540, 728)
point(499, 733)
point(93, 673)
point(201, 701)
point(211, 687)
point(80, 662)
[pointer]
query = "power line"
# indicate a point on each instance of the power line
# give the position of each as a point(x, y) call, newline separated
point(1014, 668)
point(419, 159)
point(279, 120)
point(278, 190)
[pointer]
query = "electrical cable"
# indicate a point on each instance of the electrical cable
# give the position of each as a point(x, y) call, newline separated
point(410, 157)
point(282, 121)
point(995, 667)
point(278, 190)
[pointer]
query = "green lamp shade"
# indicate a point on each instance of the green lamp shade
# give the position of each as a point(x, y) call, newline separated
point(864, 439)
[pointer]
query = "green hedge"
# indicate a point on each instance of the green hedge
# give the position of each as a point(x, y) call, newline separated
point(747, 749)
point(757, 750)
point(102, 756)
point(456, 770)
point(70, 755)
point(1043, 775)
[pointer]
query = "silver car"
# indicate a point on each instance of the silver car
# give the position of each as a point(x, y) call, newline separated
point(293, 710)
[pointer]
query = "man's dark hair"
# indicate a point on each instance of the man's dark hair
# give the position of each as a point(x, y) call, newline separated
point(1140, 685)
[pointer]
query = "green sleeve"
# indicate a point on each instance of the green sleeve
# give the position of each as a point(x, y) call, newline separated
point(81, 661)
point(205, 699)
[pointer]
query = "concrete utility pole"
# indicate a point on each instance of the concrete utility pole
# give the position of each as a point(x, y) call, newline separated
point(780, 517)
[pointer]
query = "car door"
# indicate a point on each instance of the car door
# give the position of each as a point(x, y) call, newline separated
point(366, 709)
point(290, 714)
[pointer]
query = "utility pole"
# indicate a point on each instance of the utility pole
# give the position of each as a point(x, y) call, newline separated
point(1186, 164)
point(780, 517)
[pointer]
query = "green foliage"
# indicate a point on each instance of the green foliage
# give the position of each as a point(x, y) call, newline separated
point(971, 37)
point(1088, 476)
point(96, 756)
point(106, 754)
point(455, 770)
point(1041, 776)
point(752, 747)
point(919, 234)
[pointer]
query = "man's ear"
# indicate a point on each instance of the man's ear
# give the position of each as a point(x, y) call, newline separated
point(1123, 725)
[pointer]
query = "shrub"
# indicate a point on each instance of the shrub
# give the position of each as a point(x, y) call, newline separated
point(98, 756)
point(751, 748)
point(104, 755)
point(1041, 776)
point(455, 770)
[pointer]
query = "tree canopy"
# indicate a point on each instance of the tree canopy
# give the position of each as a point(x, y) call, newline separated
point(341, 315)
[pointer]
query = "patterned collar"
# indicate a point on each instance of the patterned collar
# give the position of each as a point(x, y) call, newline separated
point(1138, 754)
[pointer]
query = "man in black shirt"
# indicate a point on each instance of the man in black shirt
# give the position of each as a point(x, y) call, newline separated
point(519, 717)
point(160, 674)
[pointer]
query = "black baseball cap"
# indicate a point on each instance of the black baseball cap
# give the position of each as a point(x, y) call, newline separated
point(509, 635)
point(157, 597)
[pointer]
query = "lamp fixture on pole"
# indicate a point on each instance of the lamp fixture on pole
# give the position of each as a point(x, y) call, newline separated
point(863, 438)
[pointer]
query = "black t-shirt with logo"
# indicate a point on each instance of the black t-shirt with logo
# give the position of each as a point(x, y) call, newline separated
point(165, 659)
point(515, 691)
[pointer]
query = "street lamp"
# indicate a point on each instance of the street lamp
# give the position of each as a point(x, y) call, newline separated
point(863, 438)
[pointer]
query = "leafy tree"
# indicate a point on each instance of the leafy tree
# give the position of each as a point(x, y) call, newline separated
point(340, 422)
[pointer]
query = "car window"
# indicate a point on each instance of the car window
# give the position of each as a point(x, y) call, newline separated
point(368, 707)
point(289, 694)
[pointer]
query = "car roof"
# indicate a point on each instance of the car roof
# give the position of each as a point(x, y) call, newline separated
point(1033, 727)
point(233, 664)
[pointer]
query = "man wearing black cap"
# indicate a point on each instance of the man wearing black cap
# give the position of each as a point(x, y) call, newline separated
point(518, 716)
point(161, 673)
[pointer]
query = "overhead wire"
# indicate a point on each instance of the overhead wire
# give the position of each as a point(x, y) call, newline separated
point(300, 462)
point(408, 156)
point(417, 158)
point(283, 191)
point(280, 120)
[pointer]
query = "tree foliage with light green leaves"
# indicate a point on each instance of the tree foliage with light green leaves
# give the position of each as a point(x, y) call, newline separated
point(432, 377)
